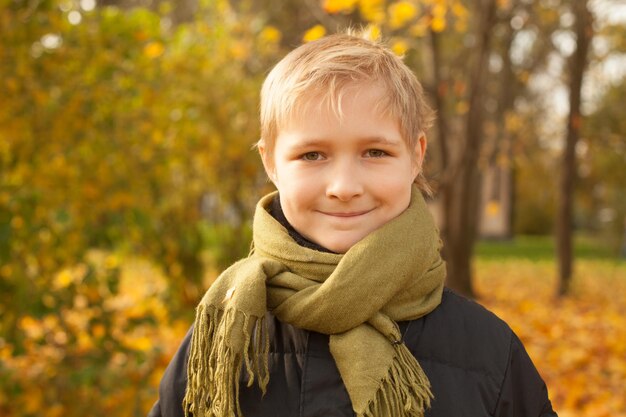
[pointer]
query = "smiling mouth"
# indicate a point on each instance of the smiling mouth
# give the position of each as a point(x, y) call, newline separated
point(346, 214)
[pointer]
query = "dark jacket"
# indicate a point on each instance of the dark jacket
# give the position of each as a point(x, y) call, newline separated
point(475, 363)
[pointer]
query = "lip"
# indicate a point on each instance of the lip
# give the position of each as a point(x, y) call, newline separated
point(346, 214)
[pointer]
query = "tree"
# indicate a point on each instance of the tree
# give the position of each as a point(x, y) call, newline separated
point(578, 62)
point(461, 195)
point(118, 135)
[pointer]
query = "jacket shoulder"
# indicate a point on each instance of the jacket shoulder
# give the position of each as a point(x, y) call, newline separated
point(463, 332)
point(464, 350)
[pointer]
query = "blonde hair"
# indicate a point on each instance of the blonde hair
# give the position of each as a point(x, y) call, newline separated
point(324, 69)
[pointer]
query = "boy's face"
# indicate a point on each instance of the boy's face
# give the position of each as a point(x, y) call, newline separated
point(341, 179)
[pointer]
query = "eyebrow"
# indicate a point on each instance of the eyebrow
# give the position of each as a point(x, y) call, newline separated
point(372, 140)
point(382, 140)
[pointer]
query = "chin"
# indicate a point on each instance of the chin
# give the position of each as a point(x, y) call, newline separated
point(340, 246)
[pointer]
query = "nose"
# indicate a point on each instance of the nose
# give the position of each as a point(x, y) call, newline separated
point(345, 182)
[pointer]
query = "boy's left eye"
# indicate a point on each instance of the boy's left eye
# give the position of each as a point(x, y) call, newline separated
point(375, 153)
point(311, 156)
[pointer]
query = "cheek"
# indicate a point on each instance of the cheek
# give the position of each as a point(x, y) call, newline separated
point(292, 176)
point(397, 179)
point(395, 190)
point(295, 190)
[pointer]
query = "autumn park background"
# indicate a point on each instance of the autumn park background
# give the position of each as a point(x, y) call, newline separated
point(127, 178)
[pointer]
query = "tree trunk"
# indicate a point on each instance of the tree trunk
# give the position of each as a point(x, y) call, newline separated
point(508, 93)
point(578, 63)
point(438, 98)
point(462, 194)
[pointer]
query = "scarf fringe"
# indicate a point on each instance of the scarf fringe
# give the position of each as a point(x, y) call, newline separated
point(214, 366)
point(405, 392)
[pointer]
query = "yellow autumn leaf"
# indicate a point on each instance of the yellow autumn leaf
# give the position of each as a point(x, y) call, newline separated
point(401, 13)
point(141, 343)
point(111, 261)
point(270, 34)
point(459, 10)
point(63, 279)
point(438, 24)
point(339, 6)
point(31, 327)
point(85, 342)
point(373, 11)
point(98, 331)
point(439, 10)
point(400, 47)
point(153, 49)
point(316, 32)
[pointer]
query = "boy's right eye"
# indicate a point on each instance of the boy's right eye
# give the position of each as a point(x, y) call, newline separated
point(311, 156)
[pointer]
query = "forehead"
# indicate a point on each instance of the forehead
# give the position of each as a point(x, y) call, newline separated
point(354, 119)
point(339, 102)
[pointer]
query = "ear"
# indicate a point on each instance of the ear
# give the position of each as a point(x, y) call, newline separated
point(268, 164)
point(419, 152)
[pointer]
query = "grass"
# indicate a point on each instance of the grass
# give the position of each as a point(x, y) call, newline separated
point(538, 248)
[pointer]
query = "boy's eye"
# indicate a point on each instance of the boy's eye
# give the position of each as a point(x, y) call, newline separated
point(375, 153)
point(311, 156)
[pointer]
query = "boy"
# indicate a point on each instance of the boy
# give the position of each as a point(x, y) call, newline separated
point(341, 308)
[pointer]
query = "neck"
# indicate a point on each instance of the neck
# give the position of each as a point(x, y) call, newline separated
point(276, 211)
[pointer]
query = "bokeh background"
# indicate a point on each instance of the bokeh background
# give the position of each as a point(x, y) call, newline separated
point(127, 178)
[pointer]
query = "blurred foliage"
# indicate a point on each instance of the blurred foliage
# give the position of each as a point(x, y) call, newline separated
point(600, 201)
point(124, 136)
point(95, 347)
point(535, 198)
point(602, 194)
point(119, 134)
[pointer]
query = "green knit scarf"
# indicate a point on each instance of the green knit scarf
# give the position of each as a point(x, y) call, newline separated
point(393, 274)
